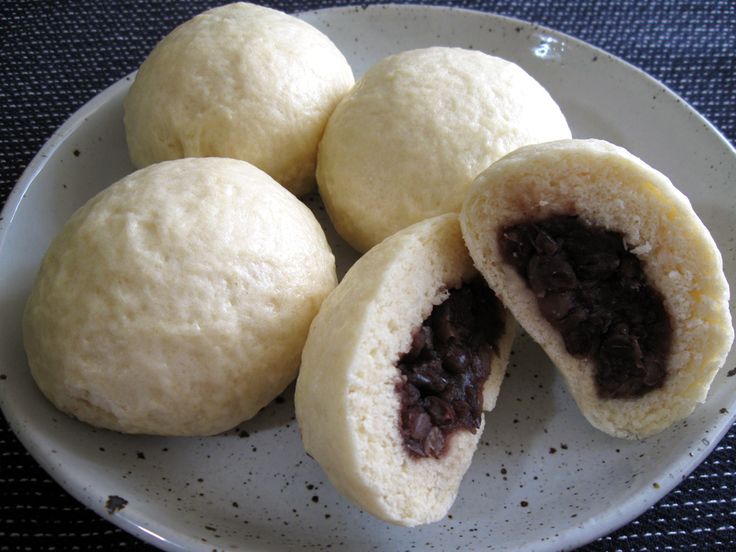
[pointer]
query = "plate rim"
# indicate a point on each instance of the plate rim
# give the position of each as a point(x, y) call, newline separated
point(568, 538)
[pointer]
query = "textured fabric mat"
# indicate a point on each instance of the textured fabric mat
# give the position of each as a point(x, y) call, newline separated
point(58, 55)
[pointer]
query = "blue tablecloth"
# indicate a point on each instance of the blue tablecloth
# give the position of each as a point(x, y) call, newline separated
point(57, 55)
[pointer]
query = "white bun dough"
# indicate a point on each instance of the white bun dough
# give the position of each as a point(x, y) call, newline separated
point(408, 140)
point(607, 186)
point(347, 404)
point(239, 81)
point(178, 300)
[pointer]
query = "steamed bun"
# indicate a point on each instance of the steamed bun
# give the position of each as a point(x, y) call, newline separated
point(240, 81)
point(624, 288)
point(178, 300)
point(352, 397)
point(407, 141)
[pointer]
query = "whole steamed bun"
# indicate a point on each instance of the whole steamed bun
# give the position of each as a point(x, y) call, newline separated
point(406, 143)
point(240, 81)
point(177, 301)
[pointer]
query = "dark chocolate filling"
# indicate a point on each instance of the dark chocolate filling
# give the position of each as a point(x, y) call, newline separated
point(595, 293)
point(443, 374)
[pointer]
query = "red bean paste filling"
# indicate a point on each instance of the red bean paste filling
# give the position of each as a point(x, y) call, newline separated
point(595, 293)
point(443, 374)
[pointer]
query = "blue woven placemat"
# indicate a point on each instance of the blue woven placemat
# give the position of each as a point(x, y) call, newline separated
point(56, 56)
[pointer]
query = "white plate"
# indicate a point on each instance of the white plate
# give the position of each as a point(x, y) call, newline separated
point(542, 479)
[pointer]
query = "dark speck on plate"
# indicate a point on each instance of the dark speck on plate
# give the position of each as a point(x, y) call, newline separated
point(115, 503)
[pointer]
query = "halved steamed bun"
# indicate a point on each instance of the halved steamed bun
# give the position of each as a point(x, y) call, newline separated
point(407, 141)
point(395, 372)
point(606, 265)
point(178, 300)
point(240, 81)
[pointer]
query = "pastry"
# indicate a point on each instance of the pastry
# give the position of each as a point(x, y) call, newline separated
point(177, 301)
point(606, 265)
point(407, 141)
point(240, 81)
point(395, 372)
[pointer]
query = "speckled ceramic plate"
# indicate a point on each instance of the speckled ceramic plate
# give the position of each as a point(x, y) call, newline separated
point(543, 478)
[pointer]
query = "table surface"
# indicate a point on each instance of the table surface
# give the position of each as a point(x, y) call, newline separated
point(56, 56)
